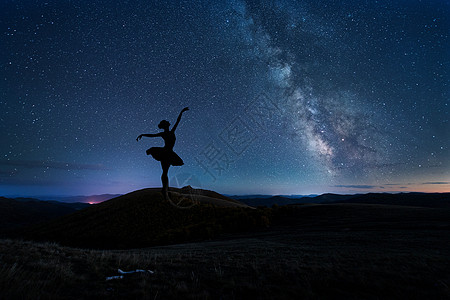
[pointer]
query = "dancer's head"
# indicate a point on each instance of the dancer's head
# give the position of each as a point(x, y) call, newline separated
point(163, 125)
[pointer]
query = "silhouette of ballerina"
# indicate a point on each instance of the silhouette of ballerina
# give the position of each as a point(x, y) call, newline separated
point(165, 154)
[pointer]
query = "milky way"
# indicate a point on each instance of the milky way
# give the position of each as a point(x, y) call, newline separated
point(329, 126)
point(286, 97)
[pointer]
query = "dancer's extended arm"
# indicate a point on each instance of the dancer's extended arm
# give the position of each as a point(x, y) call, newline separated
point(179, 118)
point(148, 135)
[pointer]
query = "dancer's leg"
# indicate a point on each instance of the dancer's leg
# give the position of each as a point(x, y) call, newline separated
point(165, 179)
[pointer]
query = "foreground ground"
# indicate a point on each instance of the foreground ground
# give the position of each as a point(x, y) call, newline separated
point(311, 259)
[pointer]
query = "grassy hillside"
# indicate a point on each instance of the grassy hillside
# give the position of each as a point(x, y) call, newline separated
point(142, 218)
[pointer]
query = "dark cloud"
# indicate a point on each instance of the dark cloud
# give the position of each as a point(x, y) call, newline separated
point(18, 181)
point(402, 185)
point(51, 165)
point(357, 186)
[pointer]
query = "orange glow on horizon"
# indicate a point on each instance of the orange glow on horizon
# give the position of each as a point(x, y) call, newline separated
point(406, 188)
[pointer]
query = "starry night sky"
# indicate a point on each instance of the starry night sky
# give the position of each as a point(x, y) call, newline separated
point(285, 97)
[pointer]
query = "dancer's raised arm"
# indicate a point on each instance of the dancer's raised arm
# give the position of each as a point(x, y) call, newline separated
point(148, 135)
point(179, 118)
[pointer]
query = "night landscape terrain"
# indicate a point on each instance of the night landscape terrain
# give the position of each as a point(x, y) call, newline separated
point(343, 249)
point(232, 149)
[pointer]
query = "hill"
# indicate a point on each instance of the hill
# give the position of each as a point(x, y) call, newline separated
point(205, 197)
point(142, 218)
point(16, 213)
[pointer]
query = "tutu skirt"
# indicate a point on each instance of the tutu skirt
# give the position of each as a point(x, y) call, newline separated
point(165, 155)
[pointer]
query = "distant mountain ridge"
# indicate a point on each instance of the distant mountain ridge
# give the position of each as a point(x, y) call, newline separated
point(262, 196)
point(84, 199)
point(267, 200)
point(438, 200)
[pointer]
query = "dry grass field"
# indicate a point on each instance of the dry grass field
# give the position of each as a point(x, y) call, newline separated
point(340, 251)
